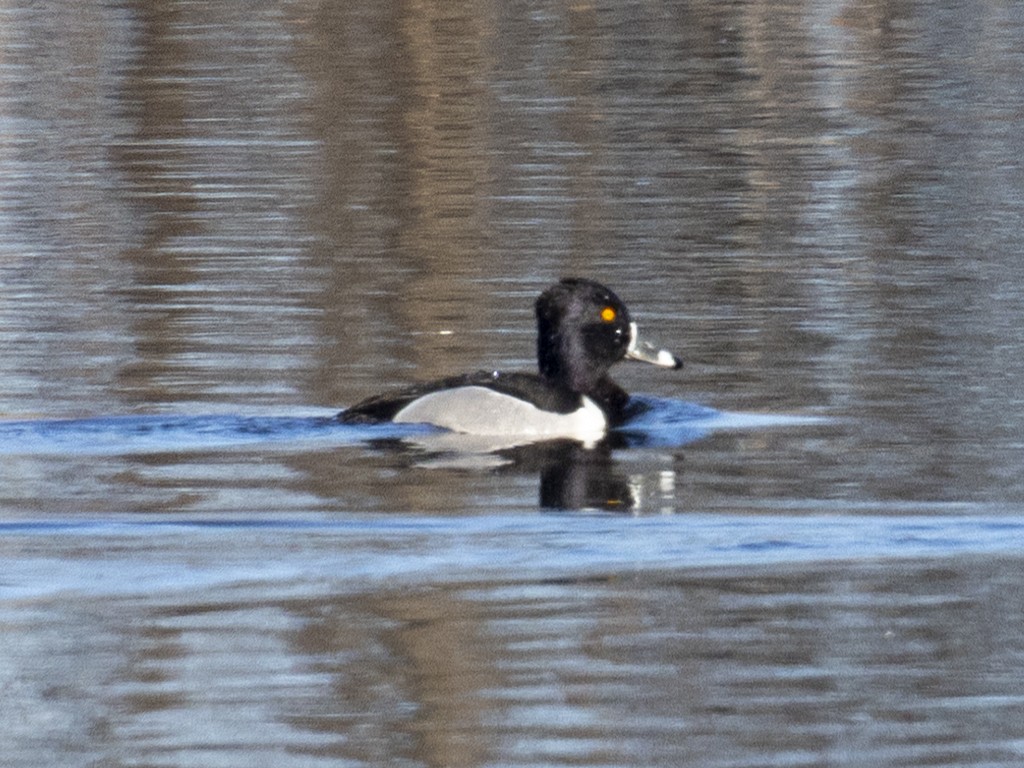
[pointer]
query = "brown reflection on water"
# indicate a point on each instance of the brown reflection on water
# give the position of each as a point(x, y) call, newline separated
point(217, 204)
point(405, 131)
point(215, 167)
point(895, 663)
point(409, 675)
point(810, 668)
point(301, 205)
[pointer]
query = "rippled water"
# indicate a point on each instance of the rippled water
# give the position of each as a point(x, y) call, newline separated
point(222, 222)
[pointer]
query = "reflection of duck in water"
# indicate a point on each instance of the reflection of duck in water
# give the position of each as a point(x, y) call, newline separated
point(582, 330)
point(574, 477)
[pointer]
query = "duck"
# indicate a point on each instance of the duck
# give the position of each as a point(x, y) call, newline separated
point(583, 329)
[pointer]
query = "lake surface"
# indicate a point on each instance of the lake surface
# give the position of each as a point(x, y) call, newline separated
point(222, 222)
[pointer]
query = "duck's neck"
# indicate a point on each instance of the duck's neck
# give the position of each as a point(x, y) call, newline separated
point(565, 359)
point(611, 398)
point(554, 353)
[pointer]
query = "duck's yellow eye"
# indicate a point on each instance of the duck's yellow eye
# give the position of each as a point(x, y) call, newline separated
point(608, 314)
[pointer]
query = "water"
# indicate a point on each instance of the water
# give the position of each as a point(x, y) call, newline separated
point(221, 222)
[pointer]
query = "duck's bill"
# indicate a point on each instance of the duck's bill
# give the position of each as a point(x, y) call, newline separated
point(648, 353)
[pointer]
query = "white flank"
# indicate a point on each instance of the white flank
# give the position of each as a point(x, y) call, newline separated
point(482, 411)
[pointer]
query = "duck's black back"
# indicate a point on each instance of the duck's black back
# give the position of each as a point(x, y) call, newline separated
point(523, 386)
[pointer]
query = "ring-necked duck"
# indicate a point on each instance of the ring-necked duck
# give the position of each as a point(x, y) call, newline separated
point(583, 329)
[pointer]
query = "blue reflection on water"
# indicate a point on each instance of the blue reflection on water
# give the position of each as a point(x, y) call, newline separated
point(666, 422)
point(136, 553)
point(154, 433)
point(663, 422)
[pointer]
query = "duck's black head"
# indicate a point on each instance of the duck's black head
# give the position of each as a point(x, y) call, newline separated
point(583, 329)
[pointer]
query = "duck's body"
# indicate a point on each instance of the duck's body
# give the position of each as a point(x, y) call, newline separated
point(582, 330)
point(494, 403)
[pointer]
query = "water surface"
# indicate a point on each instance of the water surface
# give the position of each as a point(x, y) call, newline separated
point(221, 222)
